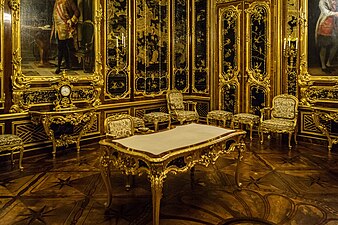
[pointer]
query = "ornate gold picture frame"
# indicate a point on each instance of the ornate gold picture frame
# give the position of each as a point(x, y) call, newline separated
point(31, 77)
point(316, 85)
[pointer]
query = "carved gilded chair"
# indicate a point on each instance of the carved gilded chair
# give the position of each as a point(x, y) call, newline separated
point(12, 143)
point(86, 46)
point(180, 110)
point(281, 117)
point(120, 126)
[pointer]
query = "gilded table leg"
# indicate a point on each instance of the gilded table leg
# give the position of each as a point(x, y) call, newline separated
point(20, 158)
point(78, 145)
point(156, 189)
point(240, 148)
point(251, 125)
point(156, 125)
point(105, 173)
point(54, 149)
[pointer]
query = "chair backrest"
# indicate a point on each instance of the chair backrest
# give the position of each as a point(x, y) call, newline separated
point(87, 35)
point(285, 106)
point(119, 126)
point(175, 100)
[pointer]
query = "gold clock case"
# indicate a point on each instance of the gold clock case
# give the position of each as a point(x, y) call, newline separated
point(35, 90)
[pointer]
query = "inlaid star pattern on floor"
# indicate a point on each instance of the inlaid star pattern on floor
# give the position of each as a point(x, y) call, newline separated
point(278, 187)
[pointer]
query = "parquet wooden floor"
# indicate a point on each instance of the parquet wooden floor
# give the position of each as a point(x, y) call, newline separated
point(279, 187)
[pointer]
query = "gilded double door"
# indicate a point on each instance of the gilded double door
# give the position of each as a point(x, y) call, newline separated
point(244, 67)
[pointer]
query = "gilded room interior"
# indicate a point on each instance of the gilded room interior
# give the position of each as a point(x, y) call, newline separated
point(64, 120)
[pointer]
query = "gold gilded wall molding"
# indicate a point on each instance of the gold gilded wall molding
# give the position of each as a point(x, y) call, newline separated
point(200, 46)
point(23, 81)
point(229, 48)
point(117, 49)
point(2, 94)
point(258, 57)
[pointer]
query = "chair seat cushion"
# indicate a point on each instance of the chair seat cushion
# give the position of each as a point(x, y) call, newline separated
point(158, 116)
point(278, 125)
point(138, 122)
point(7, 140)
point(219, 115)
point(187, 115)
point(246, 117)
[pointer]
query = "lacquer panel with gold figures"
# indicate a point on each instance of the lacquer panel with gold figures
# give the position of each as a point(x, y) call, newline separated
point(2, 20)
point(137, 42)
point(318, 85)
point(34, 54)
point(244, 57)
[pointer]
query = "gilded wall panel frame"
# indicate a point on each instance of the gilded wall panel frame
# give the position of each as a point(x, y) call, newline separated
point(200, 47)
point(317, 85)
point(229, 57)
point(180, 42)
point(118, 48)
point(22, 79)
point(151, 47)
point(2, 20)
point(258, 57)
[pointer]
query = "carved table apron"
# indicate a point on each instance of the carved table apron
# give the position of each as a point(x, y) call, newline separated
point(170, 151)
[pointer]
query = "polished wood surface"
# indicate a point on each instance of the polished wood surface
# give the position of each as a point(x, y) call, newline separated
point(277, 188)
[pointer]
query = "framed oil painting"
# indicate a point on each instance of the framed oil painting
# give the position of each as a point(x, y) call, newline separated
point(47, 26)
point(322, 42)
point(51, 38)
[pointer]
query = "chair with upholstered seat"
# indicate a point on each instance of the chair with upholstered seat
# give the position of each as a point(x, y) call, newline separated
point(12, 143)
point(281, 117)
point(180, 110)
point(120, 126)
point(86, 46)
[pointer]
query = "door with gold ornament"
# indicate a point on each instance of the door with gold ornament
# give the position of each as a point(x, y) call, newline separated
point(243, 55)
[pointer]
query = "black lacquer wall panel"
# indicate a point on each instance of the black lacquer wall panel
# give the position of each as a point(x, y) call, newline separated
point(117, 42)
point(200, 47)
point(180, 45)
point(151, 48)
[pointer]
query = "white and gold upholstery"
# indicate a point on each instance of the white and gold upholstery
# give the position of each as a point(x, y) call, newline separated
point(282, 117)
point(180, 110)
point(119, 126)
point(157, 117)
point(11, 142)
point(245, 118)
point(138, 122)
point(219, 115)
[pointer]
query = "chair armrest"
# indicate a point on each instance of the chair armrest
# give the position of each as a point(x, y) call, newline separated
point(189, 102)
point(264, 112)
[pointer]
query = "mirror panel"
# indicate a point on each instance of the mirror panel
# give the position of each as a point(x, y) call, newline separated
point(47, 42)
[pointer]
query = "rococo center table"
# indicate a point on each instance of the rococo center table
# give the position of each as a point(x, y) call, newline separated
point(171, 151)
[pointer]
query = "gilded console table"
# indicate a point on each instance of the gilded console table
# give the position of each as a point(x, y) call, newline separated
point(321, 115)
point(170, 151)
point(66, 126)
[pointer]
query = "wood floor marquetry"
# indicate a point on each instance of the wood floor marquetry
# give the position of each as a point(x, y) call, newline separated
point(278, 187)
